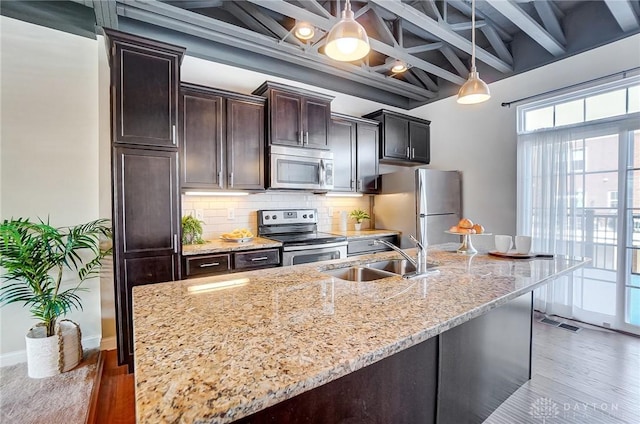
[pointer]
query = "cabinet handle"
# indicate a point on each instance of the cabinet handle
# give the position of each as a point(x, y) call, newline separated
point(231, 179)
point(220, 179)
point(173, 129)
point(413, 153)
point(261, 258)
point(300, 137)
point(306, 137)
point(351, 186)
point(175, 243)
point(209, 264)
point(408, 152)
point(359, 184)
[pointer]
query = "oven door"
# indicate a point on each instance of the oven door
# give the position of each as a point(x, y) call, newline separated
point(293, 168)
point(296, 255)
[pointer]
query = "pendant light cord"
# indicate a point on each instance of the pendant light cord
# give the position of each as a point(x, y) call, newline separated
point(473, 35)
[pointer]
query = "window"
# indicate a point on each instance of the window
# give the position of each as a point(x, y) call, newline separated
point(612, 199)
point(606, 102)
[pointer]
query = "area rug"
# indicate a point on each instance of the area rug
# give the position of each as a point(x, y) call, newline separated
point(63, 398)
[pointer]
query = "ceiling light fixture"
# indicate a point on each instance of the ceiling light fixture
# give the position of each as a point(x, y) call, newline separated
point(398, 67)
point(474, 90)
point(304, 31)
point(347, 41)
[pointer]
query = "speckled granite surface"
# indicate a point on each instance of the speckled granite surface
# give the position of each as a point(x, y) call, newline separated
point(353, 234)
point(219, 355)
point(221, 246)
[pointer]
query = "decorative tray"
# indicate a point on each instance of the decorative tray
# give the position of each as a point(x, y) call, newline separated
point(237, 240)
point(515, 255)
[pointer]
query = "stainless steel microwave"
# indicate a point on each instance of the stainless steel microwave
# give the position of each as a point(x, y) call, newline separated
point(301, 168)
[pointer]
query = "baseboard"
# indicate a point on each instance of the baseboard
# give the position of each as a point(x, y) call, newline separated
point(108, 343)
point(19, 356)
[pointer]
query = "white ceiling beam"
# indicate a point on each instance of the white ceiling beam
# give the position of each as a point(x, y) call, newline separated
point(465, 8)
point(463, 26)
point(425, 79)
point(315, 7)
point(424, 48)
point(383, 29)
point(442, 31)
point(266, 20)
point(195, 4)
point(550, 20)
point(529, 25)
point(622, 11)
point(454, 60)
point(498, 45)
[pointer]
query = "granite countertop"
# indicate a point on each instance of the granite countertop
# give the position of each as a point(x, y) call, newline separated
point(353, 234)
point(221, 246)
point(212, 354)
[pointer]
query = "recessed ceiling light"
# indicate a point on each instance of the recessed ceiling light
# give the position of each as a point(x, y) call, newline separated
point(398, 67)
point(304, 31)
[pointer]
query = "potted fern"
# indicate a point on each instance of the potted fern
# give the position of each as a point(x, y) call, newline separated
point(359, 215)
point(34, 256)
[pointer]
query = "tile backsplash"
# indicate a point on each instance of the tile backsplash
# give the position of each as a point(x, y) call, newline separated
point(224, 214)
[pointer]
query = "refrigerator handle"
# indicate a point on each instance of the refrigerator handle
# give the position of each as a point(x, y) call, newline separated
point(421, 206)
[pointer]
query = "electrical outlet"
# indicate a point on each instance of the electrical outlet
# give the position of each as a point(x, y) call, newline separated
point(199, 214)
point(231, 214)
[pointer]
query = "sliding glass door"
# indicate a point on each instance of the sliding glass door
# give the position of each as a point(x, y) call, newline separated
point(628, 294)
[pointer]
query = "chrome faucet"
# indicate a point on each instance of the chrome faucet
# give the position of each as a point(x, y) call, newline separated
point(420, 262)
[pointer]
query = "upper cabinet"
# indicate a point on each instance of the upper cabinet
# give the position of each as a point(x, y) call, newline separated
point(354, 143)
point(145, 77)
point(222, 143)
point(404, 140)
point(296, 117)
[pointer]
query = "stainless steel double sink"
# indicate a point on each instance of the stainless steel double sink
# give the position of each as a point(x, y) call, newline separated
point(373, 271)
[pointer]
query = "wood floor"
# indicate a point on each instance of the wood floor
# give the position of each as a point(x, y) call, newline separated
point(588, 377)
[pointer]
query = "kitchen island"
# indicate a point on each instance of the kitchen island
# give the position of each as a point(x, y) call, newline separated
point(219, 349)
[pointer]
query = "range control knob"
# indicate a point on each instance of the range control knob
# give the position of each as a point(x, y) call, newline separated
point(311, 216)
point(304, 216)
point(267, 217)
point(273, 216)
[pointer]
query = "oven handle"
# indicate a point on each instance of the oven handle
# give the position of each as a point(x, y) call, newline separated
point(314, 246)
point(321, 173)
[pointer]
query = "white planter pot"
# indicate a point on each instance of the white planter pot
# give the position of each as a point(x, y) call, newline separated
point(358, 226)
point(48, 356)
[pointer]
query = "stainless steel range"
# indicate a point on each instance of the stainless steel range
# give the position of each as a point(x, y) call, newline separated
point(297, 229)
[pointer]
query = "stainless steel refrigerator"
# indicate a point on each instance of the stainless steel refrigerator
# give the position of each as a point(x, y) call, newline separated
point(418, 201)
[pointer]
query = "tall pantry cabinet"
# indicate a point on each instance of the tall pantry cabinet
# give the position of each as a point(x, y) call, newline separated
point(145, 79)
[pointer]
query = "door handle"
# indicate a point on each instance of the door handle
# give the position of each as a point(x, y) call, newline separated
point(408, 152)
point(173, 136)
point(413, 153)
point(321, 173)
point(231, 179)
point(220, 179)
point(300, 137)
point(306, 138)
point(261, 258)
point(209, 264)
point(175, 243)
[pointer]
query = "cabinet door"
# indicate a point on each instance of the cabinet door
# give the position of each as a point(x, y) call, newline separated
point(317, 115)
point(419, 134)
point(245, 144)
point(342, 142)
point(146, 96)
point(396, 138)
point(146, 228)
point(285, 118)
point(202, 139)
point(367, 158)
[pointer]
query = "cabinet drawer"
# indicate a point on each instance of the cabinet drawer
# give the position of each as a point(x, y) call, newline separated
point(255, 259)
point(207, 265)
point(364, 246)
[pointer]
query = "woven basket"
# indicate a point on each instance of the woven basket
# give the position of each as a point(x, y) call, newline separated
point(48, 356)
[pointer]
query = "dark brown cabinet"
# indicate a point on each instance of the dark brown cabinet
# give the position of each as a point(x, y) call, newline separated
point(296, 117)
point(146, 229)
point(404, 140)
point(222, 143)
point(145, 188)
point(145, 83)
point(354, 143)
point(224, 263)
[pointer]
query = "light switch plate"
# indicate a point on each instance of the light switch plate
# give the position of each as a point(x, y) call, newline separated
point(231, 214)
point(330, 211)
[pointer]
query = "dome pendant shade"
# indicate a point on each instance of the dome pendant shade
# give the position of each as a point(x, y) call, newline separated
point(474, 90)
point(347, 41)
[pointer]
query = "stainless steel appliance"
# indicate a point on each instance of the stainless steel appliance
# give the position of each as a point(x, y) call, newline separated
point(300, 168)
point(297, 229)
point(419, 201)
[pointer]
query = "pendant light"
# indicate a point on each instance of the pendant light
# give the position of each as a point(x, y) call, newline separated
point(474, 90)
point(304, 31)
point(347, 41)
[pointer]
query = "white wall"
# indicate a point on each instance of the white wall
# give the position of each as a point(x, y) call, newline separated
point(50, 156)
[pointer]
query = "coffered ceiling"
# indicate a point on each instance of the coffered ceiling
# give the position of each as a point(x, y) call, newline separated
point(433, 37)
